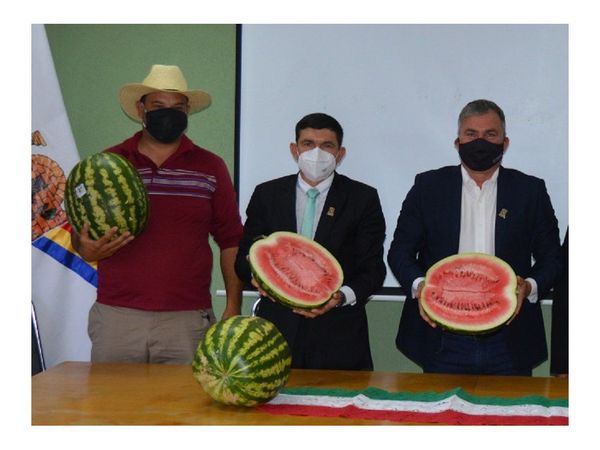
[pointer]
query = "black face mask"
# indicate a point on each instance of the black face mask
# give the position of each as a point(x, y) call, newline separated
point(480, 155)
point(166, 124)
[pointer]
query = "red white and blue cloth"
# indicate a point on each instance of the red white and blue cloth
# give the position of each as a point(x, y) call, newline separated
point(454, 407)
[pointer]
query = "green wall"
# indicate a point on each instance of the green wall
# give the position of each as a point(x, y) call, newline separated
point(93, 61)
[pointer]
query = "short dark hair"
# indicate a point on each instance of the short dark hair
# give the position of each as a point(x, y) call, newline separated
point(319, 121)
point(478, 107)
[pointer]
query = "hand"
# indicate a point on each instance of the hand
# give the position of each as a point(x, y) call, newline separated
point(423, 314)
point(230, 311)
point(260, 290)
point(333, 302)
point(523, 290)
point(104, 247)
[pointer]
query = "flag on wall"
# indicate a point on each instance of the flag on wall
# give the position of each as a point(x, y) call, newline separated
point(63, 284)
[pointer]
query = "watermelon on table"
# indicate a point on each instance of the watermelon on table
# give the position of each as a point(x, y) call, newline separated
point(470, 292)
point(105, 190)
point(242, 361)
point(295, 270)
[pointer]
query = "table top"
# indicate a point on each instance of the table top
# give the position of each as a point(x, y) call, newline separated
point(152, 394)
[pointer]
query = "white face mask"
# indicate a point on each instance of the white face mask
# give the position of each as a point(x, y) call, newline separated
point(316, 164)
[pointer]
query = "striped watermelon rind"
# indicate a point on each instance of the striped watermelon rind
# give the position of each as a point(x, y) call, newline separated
point(242, 361)
point(281, 276)
point(105, 190)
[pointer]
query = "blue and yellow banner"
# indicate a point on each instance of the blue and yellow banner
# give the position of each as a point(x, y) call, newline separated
point(57, 244)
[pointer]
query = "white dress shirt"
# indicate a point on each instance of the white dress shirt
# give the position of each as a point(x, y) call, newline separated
point(301, 188)
point(478, 221)
point(478, 215)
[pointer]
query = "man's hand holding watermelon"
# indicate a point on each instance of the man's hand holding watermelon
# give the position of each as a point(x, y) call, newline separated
point(107, 245)
point(336, 299)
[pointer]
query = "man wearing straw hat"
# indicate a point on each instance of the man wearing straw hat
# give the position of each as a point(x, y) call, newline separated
point(153, 303)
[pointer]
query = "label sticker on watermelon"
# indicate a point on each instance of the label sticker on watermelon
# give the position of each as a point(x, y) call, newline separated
point(80, 190)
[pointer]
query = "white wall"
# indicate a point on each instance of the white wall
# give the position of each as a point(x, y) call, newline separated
point(397, 91)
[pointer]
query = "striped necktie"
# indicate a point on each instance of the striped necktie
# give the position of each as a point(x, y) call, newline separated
point(309, 213)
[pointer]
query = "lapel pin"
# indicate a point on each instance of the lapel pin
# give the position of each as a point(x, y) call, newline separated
point(331, 211)
point(503, 212)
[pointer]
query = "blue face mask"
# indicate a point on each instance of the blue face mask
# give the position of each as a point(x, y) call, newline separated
point(480, 155)
point(166, 125)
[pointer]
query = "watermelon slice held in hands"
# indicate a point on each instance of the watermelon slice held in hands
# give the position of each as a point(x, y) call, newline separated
point(470, 293)
point(295, 270)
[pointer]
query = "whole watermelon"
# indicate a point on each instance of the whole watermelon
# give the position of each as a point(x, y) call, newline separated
point(242, 361)
point(105, 190)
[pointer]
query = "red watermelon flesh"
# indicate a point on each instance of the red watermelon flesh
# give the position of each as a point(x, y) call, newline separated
point(470, 292)
point(295, 270)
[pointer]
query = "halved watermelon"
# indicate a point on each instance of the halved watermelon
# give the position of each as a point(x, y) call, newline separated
point(295, 270)
point(470, 292)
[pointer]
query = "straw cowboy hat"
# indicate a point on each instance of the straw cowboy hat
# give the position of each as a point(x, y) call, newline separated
point(165, 79)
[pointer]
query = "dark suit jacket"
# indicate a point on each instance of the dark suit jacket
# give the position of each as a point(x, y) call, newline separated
point(428, 230)
point(559, 336)
point(354, 234)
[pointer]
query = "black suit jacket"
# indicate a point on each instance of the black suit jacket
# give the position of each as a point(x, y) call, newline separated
point(559, 336)
point(352, 228)
point(428, 230)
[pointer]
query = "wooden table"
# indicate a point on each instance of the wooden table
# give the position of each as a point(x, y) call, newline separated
point(136, 394)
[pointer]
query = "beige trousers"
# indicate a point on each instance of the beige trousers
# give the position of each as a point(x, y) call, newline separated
point(133, 335)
